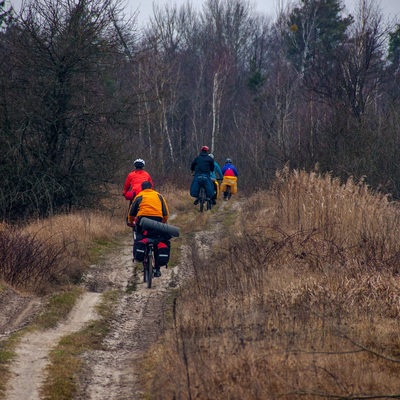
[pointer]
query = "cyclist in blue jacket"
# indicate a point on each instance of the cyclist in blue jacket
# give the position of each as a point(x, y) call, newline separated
point(202, 166)
point(230, 178)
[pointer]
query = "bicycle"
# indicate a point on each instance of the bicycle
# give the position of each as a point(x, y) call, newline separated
point(229, 186)
point(203, 201)
point(151, 246)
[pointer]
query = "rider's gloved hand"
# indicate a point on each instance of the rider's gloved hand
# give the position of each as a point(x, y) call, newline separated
point(131, 222)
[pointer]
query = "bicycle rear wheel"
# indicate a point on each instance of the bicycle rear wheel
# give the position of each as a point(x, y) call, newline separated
point(202, 198)
point(228, 190)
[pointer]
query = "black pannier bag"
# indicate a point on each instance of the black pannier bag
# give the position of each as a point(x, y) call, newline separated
point(140, 247)
point(162, 253)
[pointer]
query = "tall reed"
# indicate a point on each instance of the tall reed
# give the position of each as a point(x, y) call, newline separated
point(348, 213)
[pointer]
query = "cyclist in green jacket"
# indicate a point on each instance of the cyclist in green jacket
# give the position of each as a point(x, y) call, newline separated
point(214, 175)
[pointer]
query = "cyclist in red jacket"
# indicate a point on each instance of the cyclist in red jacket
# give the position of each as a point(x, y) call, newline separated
point(134, 180)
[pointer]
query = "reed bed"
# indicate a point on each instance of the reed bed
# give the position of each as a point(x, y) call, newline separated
point(300, 300)
point(348, 213)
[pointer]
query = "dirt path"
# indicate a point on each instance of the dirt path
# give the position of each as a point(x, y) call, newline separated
point(33, 351)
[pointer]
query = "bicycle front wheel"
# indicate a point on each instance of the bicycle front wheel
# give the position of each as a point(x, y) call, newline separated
point(145, 268)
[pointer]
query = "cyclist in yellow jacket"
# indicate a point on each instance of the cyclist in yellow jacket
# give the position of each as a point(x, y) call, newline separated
point(150, 204)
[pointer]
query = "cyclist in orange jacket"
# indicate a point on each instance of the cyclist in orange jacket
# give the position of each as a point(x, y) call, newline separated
point(150, 204)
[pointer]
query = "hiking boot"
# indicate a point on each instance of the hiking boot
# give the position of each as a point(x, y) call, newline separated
point(196, 202)
point(157, 273)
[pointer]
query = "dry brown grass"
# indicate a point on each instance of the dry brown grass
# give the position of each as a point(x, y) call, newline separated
point(81, 228)
point(302, 302)
point(49, 253)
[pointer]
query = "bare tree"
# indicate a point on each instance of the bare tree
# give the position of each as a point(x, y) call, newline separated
point(61, 64)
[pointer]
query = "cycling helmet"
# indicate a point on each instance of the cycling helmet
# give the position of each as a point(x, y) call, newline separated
point(228, 161)
point(205, 148)
point(212, 156)
point(139, 163)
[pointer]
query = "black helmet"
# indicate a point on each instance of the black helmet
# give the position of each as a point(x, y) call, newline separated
point(139, 163)
point(228, 161)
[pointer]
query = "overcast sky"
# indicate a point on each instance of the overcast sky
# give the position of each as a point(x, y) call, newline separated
point(269, 7)
point(391, 8)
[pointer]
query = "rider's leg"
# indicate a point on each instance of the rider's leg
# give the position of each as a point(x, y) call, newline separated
point(226, 194)
point(210, 189)
point(214, 197)
point(194, 190)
